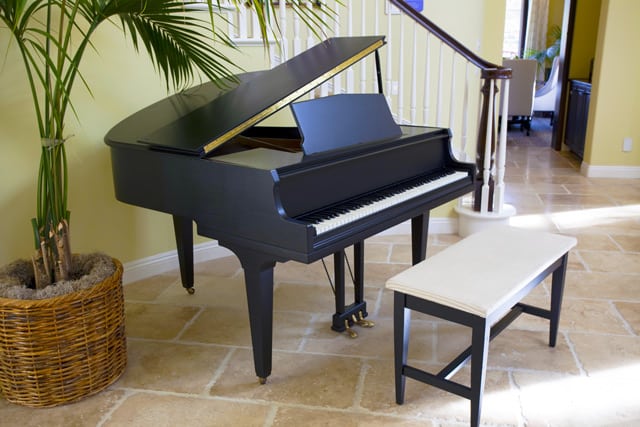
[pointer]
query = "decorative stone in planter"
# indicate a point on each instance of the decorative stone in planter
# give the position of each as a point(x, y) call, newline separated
point(56, 349)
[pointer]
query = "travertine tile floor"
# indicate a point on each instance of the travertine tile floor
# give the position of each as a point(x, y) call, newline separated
point(190, 357)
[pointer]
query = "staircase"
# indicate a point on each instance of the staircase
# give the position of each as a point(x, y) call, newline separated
point(429, 79)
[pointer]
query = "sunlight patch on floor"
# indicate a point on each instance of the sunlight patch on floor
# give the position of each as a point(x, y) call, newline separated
point(580, 218)
point(576, 400)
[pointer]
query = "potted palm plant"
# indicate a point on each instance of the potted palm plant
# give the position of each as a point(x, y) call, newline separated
point(545, 56)
point(58, 348)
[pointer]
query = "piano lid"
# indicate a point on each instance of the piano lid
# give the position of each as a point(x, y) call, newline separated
point(205, 128)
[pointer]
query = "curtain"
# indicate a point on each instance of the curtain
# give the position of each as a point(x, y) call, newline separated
point(536, 38)
point(537, 25)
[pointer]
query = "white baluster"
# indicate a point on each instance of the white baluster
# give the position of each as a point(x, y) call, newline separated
point(297, 40)
point(325, 88)
point(414, 75)
point(390, 46)
point(465, 115)
point(439, 89)
point(364, 64)
point(501, 156)
point(427, 81)
point(400, 110)
point(376, 30)
point(336, 82)
point(256, 36)
point(350, 73)
point(232, 16)
point(242, 24)
point(282, 8)
point(310, 37)
point(452, 92)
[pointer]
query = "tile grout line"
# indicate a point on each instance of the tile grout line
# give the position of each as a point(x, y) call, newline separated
point(188, 324)
point(622, 319)
point(359, 391)
point(522, 420)
point(219, 371)
point(574, 353)
point(107, 416)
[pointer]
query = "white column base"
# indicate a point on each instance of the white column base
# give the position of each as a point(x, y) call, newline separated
point(470, 221)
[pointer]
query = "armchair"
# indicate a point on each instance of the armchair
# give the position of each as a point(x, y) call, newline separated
point(521, 90)
point(545, 99)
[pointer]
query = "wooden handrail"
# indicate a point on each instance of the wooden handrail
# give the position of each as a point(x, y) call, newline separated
point(488, 69)
point(486, 148)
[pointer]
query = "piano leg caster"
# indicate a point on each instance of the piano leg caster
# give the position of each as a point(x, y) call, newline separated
point(190, 290)
point(362, 321)
point(262, 381)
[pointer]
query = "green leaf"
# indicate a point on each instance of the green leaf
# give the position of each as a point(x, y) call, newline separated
point(53, 35)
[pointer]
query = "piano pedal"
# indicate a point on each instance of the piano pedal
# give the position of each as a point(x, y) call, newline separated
point(349, 330)
point(363, 322)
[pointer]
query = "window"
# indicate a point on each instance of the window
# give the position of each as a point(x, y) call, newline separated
point(515, 28)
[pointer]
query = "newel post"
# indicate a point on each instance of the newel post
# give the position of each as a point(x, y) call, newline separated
point(483, 200)
point(485, 150)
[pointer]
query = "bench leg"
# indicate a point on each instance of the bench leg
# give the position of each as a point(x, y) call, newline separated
point(557, 289)
point(401, 324)
point(479, 350)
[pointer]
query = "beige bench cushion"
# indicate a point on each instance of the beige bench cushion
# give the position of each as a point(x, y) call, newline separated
point(482, 273)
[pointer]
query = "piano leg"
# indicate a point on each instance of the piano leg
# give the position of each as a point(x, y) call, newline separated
point(183, 229)
point(258, 279)
point(419, 233)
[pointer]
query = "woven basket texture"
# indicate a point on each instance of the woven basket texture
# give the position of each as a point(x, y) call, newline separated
point(59, 350)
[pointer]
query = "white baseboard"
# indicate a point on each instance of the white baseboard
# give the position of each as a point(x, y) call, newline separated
point(436, 226)
point(592, 171)
point(167, 261)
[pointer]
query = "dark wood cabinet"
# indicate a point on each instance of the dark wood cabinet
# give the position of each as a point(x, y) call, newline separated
point(577, 114)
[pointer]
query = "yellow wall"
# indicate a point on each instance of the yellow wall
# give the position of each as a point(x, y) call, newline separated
point(615, 96)
point(556, 12)
point(585, 33)
point(493, 31)
point(477, 24)
point(122, 83)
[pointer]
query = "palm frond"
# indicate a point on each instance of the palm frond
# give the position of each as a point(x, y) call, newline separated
point(53, 35)
point(178, 46)
point(178, 42)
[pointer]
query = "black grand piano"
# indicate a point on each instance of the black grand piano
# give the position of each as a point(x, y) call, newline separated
point(346, 172)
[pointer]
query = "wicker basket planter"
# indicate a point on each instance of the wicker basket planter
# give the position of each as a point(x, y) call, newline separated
point(61, 349)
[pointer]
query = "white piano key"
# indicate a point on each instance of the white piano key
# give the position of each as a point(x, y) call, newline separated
point(377, 206)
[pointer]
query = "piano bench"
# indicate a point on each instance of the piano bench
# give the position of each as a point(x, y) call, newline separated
point(477, 282)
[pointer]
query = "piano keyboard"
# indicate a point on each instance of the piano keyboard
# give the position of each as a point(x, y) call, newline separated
point(345, 213)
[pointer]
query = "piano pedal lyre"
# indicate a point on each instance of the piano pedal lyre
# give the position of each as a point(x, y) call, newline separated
point(362, 321)
point(349, 330)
